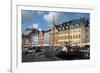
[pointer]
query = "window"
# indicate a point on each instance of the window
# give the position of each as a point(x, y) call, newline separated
point(76, 36)
point(79, 41)
point(66, 27)
point(77, 25)
point(86, 29)
point(86, 36)
point(68, 24)
point(79, 36)
point(78, 30)
point(73, 36)
point(72, 26)
point(59, 28)
point(66, 37)
point(63, 28)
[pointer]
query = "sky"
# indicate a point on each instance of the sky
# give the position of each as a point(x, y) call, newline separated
point(44, 19)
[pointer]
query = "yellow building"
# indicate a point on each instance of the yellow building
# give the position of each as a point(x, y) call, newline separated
point(73, 32)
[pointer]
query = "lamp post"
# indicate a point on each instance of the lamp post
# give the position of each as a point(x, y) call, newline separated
point(53, 32)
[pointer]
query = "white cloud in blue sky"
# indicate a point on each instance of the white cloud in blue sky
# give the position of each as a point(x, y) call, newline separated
point(35, 26)
point(54, 16)
point(44, 19)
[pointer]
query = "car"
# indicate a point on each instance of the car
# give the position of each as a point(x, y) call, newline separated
point(31, 51)
point(24, 50)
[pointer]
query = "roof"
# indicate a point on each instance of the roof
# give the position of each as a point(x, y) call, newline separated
point(33, 30)
point(27, 32)
point(48, 30)
point(73, 23)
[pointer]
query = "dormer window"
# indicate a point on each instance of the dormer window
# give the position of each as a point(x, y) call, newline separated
point(59, 28)
point(77, 25)
point(66, 27)
point(63, 28)
point(71, 26)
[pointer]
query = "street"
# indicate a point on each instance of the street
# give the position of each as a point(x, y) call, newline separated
point(49, 55)
point(36, 57)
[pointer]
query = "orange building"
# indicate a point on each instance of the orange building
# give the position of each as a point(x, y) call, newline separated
point(54, 36)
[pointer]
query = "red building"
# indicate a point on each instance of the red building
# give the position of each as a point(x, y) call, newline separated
point(54, 36)
point(40, 38)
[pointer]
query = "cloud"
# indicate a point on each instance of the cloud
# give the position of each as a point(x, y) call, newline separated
point(40, 29)
point(35, 26)
point(57, 17)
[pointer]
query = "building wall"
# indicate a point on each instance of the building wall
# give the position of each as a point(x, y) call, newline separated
point(46, 38)
point(75, 34)
point(88, 34)
point(35, 39)
point(70, 33)
point(63, 37)
point(40, 38)
point(54, 37)
point(26, 41)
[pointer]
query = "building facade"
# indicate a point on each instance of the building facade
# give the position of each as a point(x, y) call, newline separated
point(54, 36)
point(40, 38)
point(74, 32)
point(26, 39)
point(46, 37)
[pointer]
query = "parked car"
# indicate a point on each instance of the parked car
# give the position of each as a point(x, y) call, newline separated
point(24, 50)
point(31, 51)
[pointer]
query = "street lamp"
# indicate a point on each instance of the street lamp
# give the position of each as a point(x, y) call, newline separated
point(53, 32)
